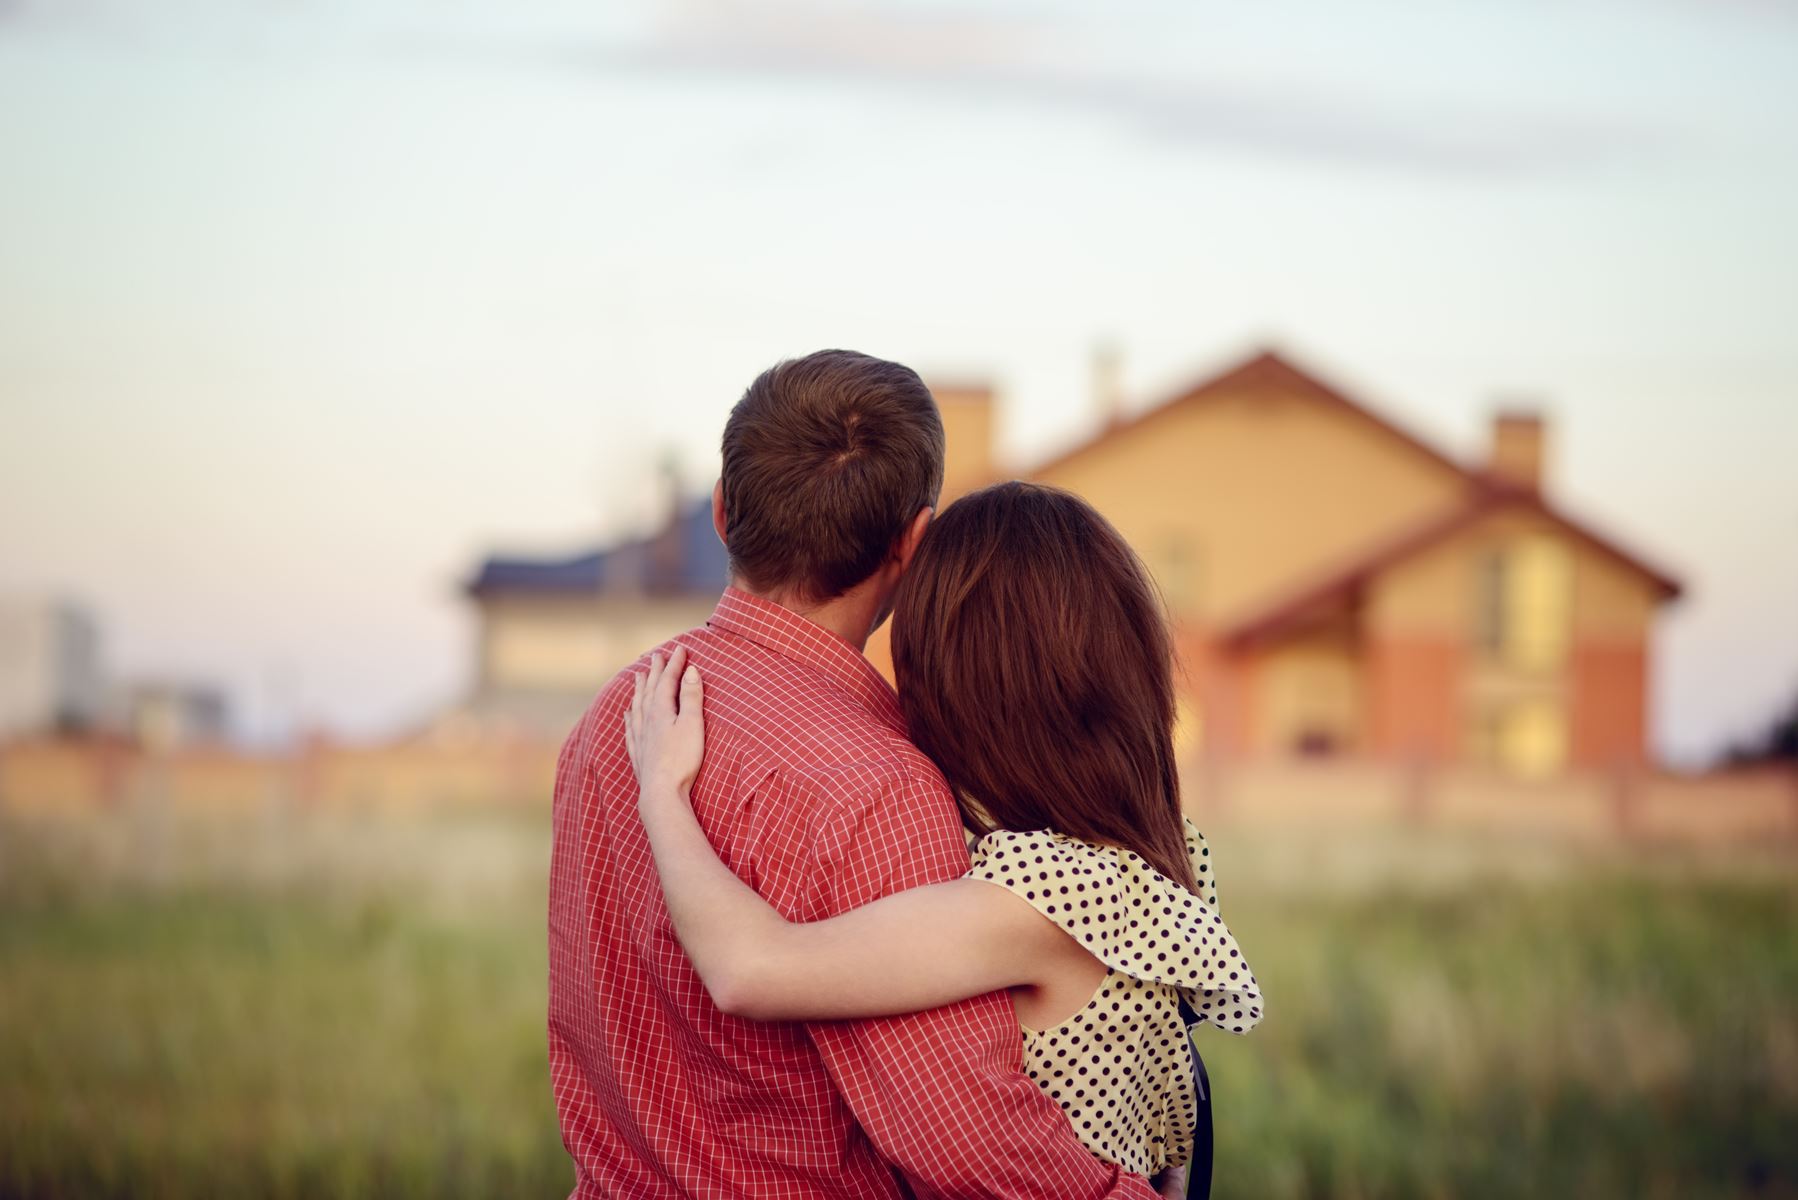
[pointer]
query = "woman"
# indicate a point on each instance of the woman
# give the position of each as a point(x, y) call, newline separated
point(1034, 668)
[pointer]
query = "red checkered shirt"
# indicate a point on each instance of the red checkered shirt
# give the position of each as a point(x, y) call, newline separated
point(814, 797)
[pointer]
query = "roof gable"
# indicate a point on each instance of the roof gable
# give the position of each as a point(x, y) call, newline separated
point(1347, 579)
point(1265, 370)
point(1484, 493)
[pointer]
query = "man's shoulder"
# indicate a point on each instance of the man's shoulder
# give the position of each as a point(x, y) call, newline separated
point(810, 732)
point(787, 716)
point(890, 771)
point(793, 734)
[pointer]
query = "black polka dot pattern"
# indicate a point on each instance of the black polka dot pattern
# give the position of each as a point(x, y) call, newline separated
point(1120, 1068)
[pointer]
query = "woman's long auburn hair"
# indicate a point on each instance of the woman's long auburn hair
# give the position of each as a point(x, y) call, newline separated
point(1036, 670)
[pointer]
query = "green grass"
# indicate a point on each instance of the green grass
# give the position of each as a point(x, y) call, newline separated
point(307, 1028)
point(1626, 1035)
point(300, 1039)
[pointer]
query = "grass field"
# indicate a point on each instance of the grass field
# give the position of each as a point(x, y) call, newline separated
point(356, 1009)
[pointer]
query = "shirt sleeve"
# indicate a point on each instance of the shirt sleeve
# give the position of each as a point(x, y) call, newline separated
point(941, 1093)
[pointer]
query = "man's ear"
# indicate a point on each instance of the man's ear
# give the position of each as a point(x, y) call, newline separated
point(718, 511)
point(914, 533)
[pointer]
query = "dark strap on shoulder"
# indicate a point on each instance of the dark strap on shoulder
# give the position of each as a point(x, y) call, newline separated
point(1198, 1167)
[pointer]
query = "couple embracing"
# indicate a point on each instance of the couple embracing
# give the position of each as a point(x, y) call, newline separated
point(809, 937)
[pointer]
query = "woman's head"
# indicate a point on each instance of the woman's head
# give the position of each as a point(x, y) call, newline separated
point(1035, 668)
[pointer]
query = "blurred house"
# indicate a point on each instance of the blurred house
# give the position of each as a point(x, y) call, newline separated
point(1341, 587)
point(1338, 585)
point(50, 677)
point(553, 630)
point(167, 715)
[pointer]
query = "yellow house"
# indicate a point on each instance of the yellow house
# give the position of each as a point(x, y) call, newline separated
point(1340, 587)
point(1337, 585)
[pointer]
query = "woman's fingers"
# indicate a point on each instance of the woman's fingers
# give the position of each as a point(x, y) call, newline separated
point(663, 724)
point(692, 692)
point(668, 688)
point(668, 681)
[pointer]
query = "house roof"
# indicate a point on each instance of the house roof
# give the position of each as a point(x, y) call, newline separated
point(1484, 495)
point(1266, 369)
point(685, 556)
point(1346, 580)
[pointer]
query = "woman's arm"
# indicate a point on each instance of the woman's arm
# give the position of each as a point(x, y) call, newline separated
point(913, 950)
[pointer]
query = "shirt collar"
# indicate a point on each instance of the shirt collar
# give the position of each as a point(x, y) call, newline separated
point(790, 635)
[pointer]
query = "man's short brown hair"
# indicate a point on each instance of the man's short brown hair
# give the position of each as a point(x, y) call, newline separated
point(827, 459)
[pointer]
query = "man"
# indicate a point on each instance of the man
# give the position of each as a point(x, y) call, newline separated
point(814, 797)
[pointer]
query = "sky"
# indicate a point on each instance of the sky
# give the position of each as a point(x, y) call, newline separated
point(306, 305)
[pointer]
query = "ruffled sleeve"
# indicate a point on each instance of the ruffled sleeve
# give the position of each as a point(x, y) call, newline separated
point(1129, 916)
point(1200, 853)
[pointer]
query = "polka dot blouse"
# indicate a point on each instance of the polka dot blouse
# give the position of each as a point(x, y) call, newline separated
point(1120, 1067)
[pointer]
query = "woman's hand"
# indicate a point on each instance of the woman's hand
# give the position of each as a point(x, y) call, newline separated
point(664, 729)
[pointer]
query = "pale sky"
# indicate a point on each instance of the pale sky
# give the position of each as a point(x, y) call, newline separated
point(306, 305)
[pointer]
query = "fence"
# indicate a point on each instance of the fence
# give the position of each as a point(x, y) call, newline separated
point(1718, 808)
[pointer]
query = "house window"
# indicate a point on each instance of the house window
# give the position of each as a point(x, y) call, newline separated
point(1524, 604)
point(1524, 736)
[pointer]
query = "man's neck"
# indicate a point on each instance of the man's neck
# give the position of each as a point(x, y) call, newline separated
point(849, 616)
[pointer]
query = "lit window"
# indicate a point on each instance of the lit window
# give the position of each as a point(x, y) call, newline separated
point(1526, 737)
point(1524, 604)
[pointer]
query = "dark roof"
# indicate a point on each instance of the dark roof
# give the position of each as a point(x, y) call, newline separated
point(1347, 579)
point(685, 556)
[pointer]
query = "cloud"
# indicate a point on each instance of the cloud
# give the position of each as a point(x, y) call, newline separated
point(998, 56)
point(1009, 58)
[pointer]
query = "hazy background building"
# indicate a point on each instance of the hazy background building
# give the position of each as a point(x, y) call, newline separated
point(165, 715)
point(552, 630)
point(50, 673)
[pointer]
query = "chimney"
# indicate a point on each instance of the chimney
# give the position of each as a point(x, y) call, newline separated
point(1517, 449)
point(1108, 383)
point(969, 426)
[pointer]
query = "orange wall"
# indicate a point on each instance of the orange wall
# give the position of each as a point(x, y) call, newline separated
point(1219, 687)
point(1414, 697)
point(1610, 702)
point(968, 431)
point(1605, 677)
